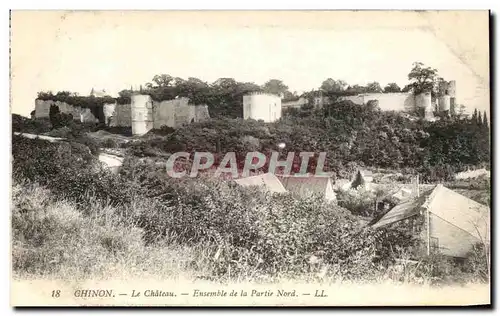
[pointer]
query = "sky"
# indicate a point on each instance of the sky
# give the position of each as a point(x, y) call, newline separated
point(113, 50)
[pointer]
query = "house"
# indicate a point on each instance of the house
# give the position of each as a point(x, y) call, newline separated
point(452, 223)
point(99, 93)
point(304, 186)
point(267, 181)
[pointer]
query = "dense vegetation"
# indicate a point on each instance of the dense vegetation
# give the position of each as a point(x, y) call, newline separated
point(352, 135)
point(72, 216)
point(246, 234)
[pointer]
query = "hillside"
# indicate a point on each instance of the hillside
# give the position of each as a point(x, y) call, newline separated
point(229, 232)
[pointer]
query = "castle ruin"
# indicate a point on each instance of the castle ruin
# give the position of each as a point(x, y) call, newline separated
point(142, 113)
point(408, 102)
point(262, 106)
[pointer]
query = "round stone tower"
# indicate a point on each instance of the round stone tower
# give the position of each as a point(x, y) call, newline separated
point(444, 103)
point(424, 101)
point(262, 106)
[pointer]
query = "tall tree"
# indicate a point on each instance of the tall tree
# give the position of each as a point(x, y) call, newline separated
point(392, 87)
point(275, 86)
point(160, 81)
point(374, 87)
point(422, 79)
point(474, 117)
point(485, 120)
point(479, 119)
point(330, 85)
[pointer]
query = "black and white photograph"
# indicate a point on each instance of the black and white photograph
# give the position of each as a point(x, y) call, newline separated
point(250, 158)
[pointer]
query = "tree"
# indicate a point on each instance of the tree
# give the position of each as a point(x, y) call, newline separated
point(330, 85)
point(356, 89)
point(485, 120)
point(160, 81)
point(358, 180)
point(53, 115)
point(407, 88)
point(474, 117)
point(479, 119)
point(374, 87)
point(422, 79)
point(392, 87)
point(288, 96)
point(125, 93)
point(275, 86)
point(461, 110)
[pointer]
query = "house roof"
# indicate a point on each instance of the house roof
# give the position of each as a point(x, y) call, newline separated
point(460, 211)
point(402, 211)
point(268, 180)
point(407, 190)
point(304, 186)
point(447, 204)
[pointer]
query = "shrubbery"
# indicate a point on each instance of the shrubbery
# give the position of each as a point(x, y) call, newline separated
point(245, 233)
point(350, 134)
point(26, 125)
point(251, 231)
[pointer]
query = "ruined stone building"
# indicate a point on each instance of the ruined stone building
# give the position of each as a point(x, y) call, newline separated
point(142, 114)
point(408, 102)
point(84, 115)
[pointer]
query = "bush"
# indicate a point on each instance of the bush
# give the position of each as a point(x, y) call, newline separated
point(244, 233)
point(52, 237)
point(163, 131)
point(477, 263)
point(110, 143)
point(248, 230)
point(359, 201)
point(26, 125)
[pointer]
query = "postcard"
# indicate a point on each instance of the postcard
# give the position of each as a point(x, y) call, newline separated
point(250, 158)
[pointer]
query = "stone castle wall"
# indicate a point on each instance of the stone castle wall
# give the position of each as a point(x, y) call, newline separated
point(404, 102)
point(42, 110)
point(172, 113)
